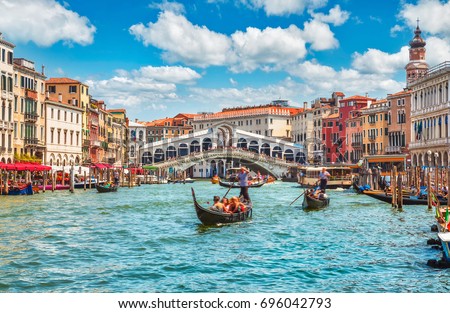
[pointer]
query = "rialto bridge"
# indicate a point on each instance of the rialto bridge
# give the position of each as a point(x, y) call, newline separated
point(220, 147)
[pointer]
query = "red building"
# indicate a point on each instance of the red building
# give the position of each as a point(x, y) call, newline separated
point(346, 106)
point(330, 137)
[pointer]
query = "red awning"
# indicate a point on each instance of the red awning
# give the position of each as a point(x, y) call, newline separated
point(25, 167)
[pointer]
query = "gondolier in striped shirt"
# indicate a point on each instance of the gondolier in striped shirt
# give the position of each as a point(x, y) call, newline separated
point(323, 178)
point(243, 183)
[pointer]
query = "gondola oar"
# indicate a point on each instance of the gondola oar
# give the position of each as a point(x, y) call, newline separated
point(298, 197)
point(228, 189)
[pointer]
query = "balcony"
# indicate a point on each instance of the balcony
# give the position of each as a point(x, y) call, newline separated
point(95, 143)
point(31, 94)
point(430, 143)
point(393, 149)
point(10, 150)
point(31, 117)
point(86, 142)
point(2, 149)
point(32, 142)
point(356, 144)
point(372, 137)
point(5, 125)
point(7, 95)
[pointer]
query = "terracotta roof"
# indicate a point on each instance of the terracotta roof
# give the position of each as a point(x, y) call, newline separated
point(338, 93)
point(61, 80)
point(357, 97)
point(117, 111)
point(335, 115)
point(400, 93)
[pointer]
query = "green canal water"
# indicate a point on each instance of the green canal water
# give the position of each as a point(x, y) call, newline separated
point(148, 239)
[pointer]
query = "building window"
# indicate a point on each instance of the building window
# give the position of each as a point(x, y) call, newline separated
point(72, 89)
point(52, 89)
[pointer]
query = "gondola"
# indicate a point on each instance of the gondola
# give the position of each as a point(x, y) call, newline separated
point(236, 184)
point(106, 188)
point(209, 217)
point(382, 196)
point(310, 203)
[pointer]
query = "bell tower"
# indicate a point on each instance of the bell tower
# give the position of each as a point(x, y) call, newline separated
point(416, 67)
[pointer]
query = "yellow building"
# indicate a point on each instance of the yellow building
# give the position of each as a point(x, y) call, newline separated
point(29, 110)
point(117, 128)
point(375, 127)
point(77, 94)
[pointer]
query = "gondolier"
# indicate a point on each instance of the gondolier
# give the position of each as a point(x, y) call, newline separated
point(243, 183)
point(324, 175)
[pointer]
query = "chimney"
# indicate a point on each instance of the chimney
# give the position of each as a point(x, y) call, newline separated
point(60, 97)
point(135, 120)
point(47, 95)
point(43, 69)
point(305, 104)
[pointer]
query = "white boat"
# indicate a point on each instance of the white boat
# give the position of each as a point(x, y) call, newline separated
point(341, 176)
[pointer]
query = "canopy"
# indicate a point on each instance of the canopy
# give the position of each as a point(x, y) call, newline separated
point(101, 165)
point(25, 167)
point(150, 167)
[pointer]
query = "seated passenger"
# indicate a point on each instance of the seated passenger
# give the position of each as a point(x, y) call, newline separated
point(236, 206)
point(217, 206)
point(226, 204)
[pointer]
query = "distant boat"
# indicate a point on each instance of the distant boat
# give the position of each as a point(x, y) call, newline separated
point(80, 184)
point(340, 176)
point(106, 188)
point(209, 217)
point(20, 191)
point(236, 184)
point(382, 196)
point(181, 181)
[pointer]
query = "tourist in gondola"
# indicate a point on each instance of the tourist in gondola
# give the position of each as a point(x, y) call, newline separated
point(217, 205)
point(236, 206)
point(323, 178)
point(243, 183)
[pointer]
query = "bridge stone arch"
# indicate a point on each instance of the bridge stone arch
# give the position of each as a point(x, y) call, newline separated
point(158, 156)
point(194, 146)
point(265, 149)
point(277, 152)
point(289, 155)
point(147, 158)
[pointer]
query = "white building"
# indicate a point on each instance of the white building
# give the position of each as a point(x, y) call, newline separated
point(302, 130)
point(63, 133)
point(137, 135)
point(6, 100)
point(270, 120)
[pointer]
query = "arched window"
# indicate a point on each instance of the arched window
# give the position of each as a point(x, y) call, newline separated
point(289, 155)
point(242, 143)
point(159, 155)
point(206, 144)
point(171, 152)
point(277, 152)
point(183, 149)
point(253, 146)
point(265, 149)
point(147, 158)
point(300, 158)
point(195, 146)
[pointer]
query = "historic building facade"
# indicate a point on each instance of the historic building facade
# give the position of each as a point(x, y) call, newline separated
point(29, 118)
point(7, 101)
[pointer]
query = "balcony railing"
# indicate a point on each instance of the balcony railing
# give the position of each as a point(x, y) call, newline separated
point(5, 125)
point(356, 144)
point(10, 150)
point(32, 94)
point(32, 142)
point(372, 137)
point(7, 95)
point(425, 143)
point(393, 149)
point(95, 143)
point(31, 117)
point(2, 149)
point(86, 142)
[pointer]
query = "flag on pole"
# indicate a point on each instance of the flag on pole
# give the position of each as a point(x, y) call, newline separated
point(446, 218)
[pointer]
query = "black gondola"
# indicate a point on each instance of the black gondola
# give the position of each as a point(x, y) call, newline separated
point(236, 184)
point(310, 203)
point(209, 217)
point(106, 188)
point(382, 196)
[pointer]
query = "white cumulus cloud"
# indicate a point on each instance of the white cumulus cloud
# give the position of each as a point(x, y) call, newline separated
point(284, 7)
point(335, 16)
point(143, 86)
point(44, 22)
point(319, 35)
point(376, 61)
point(433, 16)
point(183, 41)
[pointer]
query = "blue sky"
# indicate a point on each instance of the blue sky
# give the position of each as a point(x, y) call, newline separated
point(159, 58)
